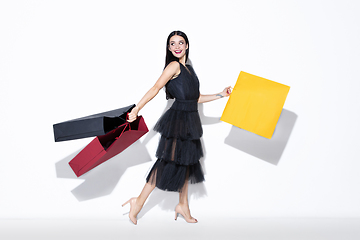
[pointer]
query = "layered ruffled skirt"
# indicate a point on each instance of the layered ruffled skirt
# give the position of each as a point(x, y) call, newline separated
point(179, 149)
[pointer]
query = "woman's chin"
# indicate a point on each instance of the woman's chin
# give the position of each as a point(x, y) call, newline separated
point(178, 55)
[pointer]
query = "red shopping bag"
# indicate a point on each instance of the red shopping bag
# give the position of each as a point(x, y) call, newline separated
point(106, 146)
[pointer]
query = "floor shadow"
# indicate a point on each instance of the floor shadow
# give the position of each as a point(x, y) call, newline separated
point(269, 150)
point(102, 180)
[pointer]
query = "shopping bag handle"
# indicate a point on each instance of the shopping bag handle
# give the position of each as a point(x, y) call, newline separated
point(127, 124)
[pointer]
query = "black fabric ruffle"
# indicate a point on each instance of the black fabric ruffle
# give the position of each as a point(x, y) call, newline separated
point(183, 152)
point(181, 121)
point(170, 176)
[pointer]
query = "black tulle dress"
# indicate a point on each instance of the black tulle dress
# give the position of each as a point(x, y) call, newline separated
point(179, 149)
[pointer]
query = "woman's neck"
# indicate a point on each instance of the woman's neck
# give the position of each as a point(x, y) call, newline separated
point(182, 60)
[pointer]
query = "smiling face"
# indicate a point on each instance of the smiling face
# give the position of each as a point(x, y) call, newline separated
point(178, 46)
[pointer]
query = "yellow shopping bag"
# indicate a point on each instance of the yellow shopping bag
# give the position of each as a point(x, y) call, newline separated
point(255, 104)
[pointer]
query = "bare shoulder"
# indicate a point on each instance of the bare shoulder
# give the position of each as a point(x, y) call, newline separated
point(172, 68)
point(169, 72)
point(174, 65)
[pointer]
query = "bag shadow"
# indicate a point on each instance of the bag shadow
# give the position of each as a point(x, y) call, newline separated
point(102, 180)
point(268, 150)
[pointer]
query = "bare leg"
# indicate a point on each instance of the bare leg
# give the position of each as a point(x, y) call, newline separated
point(183, 206)
point(183, 195)
point(148, 188)
point(136, 204)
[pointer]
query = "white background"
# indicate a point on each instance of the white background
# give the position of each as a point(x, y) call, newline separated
point(61, 60)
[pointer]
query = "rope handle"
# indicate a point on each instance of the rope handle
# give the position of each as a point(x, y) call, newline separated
point(127, 124)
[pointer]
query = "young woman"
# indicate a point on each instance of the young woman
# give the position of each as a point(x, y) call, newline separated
point(180, 128)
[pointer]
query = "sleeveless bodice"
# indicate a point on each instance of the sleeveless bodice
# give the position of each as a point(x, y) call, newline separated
point(185, 86)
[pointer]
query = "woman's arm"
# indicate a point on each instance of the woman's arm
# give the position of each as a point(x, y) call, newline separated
point(207, 98)
point(170, 70)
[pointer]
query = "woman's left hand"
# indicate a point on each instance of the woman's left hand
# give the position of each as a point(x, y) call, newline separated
point(227, 91)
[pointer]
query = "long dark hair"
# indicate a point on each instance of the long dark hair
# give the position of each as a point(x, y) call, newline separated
point(170, 57)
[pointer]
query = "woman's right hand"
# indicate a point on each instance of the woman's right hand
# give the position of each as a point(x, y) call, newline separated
point(133, 114)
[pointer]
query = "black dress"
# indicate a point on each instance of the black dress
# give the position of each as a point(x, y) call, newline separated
point(179, 149)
